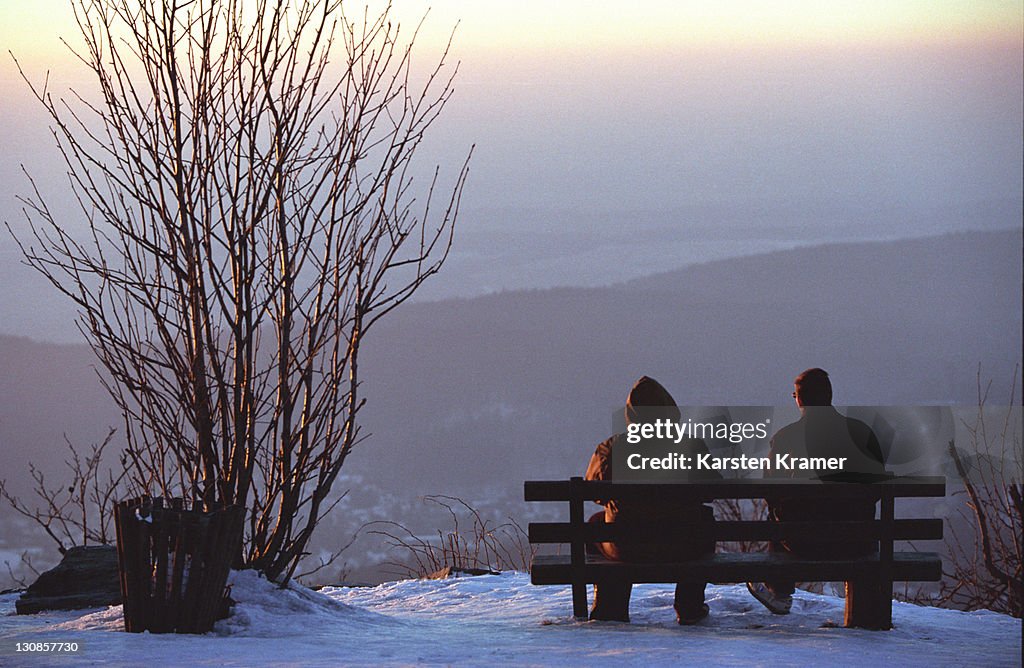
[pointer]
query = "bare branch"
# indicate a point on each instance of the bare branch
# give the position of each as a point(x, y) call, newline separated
point(245, 185)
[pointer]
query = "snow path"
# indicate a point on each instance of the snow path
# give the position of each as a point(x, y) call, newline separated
point(502, 619)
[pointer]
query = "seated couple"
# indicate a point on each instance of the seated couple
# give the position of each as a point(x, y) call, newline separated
point(821, 432)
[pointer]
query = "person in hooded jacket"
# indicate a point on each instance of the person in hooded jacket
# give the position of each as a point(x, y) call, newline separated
point(647, 401)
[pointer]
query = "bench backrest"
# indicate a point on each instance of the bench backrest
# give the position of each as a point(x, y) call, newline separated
point(886, 529)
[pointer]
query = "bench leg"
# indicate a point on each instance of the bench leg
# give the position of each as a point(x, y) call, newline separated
point(868, 605)
point(579, 601)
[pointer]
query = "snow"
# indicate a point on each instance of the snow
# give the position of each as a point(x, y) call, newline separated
point(503, 619)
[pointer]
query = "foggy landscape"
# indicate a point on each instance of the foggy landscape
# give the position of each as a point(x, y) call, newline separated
point(469, 397)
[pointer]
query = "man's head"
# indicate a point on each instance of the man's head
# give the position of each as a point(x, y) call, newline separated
point(649, 401)
point(813, 388)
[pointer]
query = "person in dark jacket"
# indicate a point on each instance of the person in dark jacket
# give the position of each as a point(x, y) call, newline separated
point(647, 401)
point(821, 431)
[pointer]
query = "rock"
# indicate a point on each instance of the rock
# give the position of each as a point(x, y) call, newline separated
point(87, 577)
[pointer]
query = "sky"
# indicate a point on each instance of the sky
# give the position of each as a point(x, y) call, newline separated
point(499, 26)
point(664, 104)
point(824, 119)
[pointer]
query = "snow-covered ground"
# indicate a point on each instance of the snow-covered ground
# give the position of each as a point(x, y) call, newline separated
point(502, 620)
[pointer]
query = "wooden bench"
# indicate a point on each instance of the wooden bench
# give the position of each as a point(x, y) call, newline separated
point(869, 579)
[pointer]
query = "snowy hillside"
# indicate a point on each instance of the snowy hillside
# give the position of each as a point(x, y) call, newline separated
point(502, 619)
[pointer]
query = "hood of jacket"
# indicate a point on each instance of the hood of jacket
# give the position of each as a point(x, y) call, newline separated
point(649, 401)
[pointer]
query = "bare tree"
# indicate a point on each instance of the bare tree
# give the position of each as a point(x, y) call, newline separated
point(985, 566)
point(246, 179)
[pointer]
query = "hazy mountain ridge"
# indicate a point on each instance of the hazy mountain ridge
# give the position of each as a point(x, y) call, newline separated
point(902, 322)
point(517, 378)
point(472, 396)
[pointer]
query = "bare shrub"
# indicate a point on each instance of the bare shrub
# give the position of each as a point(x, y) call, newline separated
point(481, 545)
point(984, 568)
point(731, 510)
point(81, 511)
point(20, 573)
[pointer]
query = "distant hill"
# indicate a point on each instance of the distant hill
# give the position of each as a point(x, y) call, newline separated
point(487, 391)
point(523, 383)
point(47, 390)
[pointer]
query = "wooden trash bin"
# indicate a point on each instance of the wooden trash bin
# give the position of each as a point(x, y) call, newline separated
point(174, 562)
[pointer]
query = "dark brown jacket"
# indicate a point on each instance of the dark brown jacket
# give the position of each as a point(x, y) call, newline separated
point(825, 432)
point(647, 393)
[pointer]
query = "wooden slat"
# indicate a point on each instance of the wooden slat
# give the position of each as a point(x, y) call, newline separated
point(739, 567)
point(577, 551)
point(747, 488)
point(546, 490)
point(175, 611)
point(193, 545)
point(160, 540)
point(126, 536)
point(886, 567)
point(734, 530)
point(205, 556)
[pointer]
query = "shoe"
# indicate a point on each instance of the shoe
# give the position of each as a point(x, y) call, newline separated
point(779, 605)
point(598, 615)
point(690, 621)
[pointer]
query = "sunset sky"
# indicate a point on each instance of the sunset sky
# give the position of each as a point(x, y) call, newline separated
point(500, 26)
point(588, 104)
